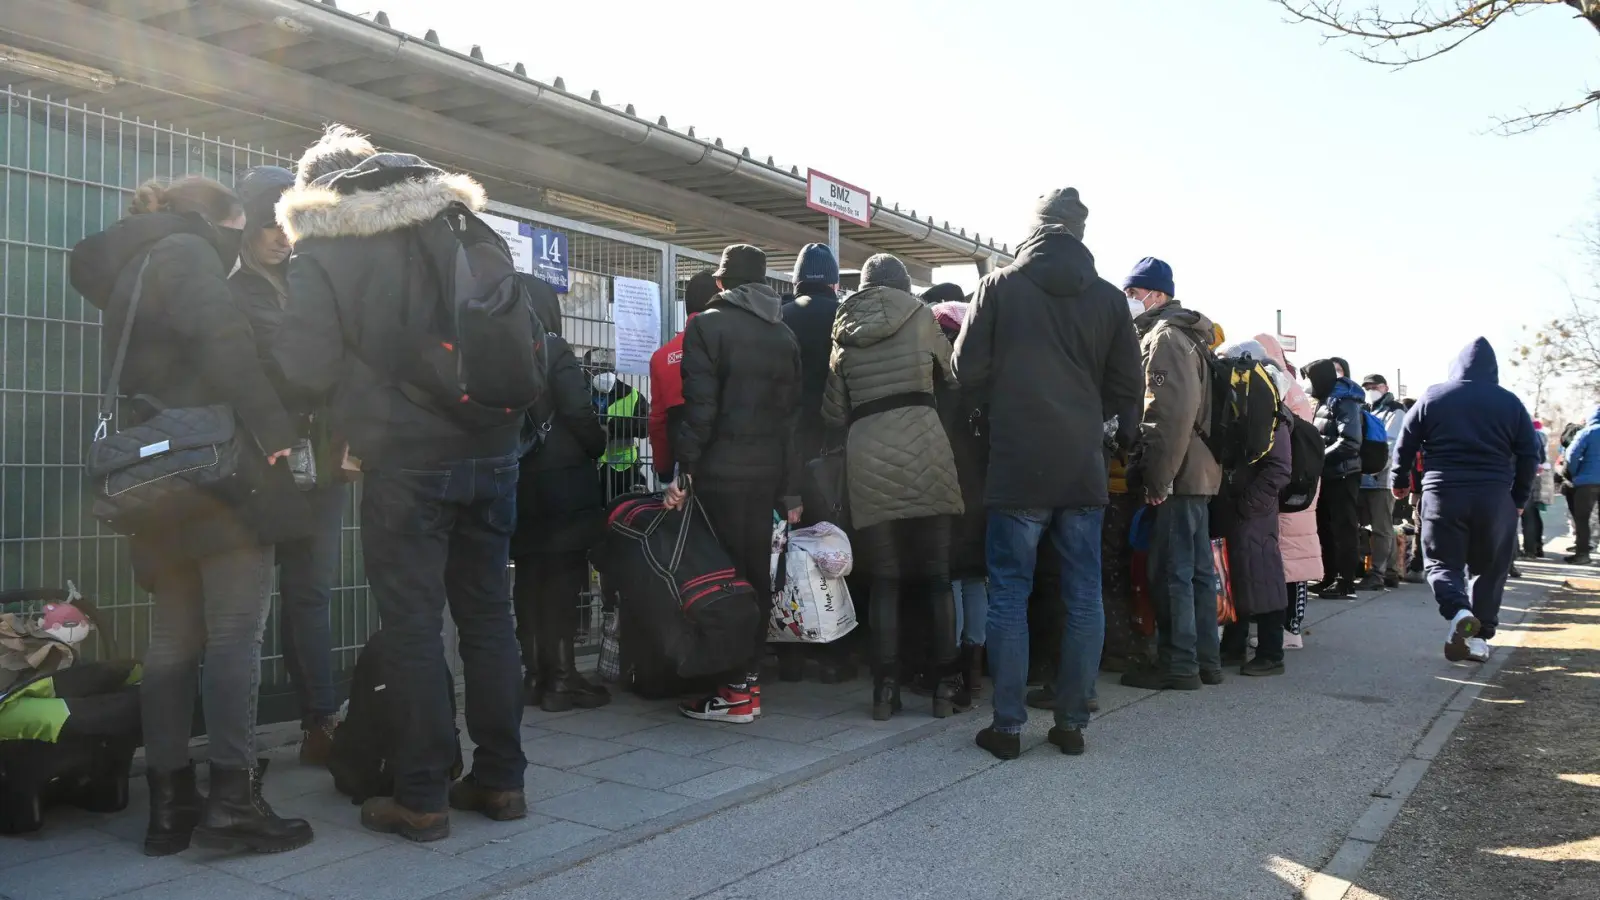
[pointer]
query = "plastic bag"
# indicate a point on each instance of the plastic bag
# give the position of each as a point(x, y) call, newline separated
point(810, 602)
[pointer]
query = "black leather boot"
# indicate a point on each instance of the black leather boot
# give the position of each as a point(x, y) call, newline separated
point(885, 697)
point(175, 805)
point(237, 818)
point(560, 687)
point(972, 671)
point(885, 648)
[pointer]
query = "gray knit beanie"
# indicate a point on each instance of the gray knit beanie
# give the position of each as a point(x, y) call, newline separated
point(885, 270)
point(1062, 207)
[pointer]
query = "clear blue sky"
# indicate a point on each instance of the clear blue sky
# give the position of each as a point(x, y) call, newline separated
point(1373, 207)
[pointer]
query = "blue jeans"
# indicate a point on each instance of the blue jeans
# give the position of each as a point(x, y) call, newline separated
point(1012, 550)
point(430, 537)
point(972, 609)
point(1183, 587)
point(307, 570)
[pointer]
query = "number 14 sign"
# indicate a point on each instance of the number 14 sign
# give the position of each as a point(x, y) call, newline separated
point(550, 258)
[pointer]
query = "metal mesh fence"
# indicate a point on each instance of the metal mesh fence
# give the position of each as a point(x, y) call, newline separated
point(69, 171)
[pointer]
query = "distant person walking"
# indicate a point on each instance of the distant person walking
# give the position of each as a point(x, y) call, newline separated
point(1478, 460)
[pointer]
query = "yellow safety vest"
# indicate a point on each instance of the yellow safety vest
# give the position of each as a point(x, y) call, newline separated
point(622, 455)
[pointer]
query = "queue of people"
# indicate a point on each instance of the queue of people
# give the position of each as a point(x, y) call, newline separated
point(999, 449)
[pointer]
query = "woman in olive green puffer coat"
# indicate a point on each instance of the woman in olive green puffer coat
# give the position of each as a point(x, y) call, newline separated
point(888, 350)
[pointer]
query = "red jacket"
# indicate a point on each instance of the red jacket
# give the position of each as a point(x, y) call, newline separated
point(666, 394)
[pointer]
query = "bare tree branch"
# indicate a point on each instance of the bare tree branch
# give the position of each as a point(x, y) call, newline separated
point(1431, 29)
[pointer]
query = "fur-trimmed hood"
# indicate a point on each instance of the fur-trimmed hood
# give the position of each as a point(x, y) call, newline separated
point(384, 193)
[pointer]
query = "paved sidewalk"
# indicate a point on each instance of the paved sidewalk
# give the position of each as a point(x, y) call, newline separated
point(593, 777)
point(1240, 791)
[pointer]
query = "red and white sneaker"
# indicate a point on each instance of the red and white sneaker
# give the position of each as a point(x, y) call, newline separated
point(738, 703)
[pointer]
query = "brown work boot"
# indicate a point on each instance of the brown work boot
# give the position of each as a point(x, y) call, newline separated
point(502, 806)
point(385, 816)
point(316, 747)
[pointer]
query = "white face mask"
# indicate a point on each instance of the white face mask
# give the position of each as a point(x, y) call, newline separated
point(1135, 308)
point(1374, 396)
point(605, 381)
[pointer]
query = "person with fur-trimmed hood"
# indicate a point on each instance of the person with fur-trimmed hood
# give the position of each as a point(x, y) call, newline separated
point(439, 499)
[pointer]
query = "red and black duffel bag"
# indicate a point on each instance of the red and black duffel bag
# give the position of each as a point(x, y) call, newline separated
point(678, 587)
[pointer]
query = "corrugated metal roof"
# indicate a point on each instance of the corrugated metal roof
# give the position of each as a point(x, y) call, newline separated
point(418, 85)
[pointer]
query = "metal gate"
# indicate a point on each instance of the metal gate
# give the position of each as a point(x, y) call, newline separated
point(69, 171)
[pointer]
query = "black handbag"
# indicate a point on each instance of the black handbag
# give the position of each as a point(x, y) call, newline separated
point(168, 466)
point(825, 491)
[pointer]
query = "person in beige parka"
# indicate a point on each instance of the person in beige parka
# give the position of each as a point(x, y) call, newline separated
point(888, 350)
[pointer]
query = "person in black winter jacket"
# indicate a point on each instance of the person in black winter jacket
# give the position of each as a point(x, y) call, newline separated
point(1049, 347)
point(560, 516)
point(1339, 418)
point(210, 571)
point(735, 447)
point(438, 498)
point(810, 316)
point(307, 566)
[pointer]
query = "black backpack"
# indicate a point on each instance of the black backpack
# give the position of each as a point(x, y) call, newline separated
point(1305, 468)
point(361, 743)
point(1244, 410)
point(479, 357)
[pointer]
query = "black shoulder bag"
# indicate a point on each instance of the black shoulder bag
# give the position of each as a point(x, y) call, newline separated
point(166, 467)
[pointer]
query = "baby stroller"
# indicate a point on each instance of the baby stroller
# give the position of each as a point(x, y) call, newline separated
point(68, 729)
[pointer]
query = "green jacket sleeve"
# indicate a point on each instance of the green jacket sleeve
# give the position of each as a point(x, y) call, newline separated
point(1172, 404)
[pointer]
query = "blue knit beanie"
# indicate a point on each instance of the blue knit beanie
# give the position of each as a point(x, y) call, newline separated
point(1153, 275)
point(816, 265)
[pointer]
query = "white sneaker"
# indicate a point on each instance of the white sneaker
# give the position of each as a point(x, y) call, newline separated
point(1462, 628)
point(1478, 649)
point(1293, 641)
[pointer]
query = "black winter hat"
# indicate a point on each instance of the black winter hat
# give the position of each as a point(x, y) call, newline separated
point(742, 262)
point(259, 191)
point(1062, 207)
point(943, 293)
point(698, 292)
point(886, 270)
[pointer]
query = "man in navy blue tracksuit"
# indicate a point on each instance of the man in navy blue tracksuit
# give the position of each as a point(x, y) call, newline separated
point(1479, 456)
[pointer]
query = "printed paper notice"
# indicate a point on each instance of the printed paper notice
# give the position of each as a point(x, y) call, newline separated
point(636, 315)
point(518, 237)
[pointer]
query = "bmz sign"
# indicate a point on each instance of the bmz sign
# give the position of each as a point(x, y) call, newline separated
point(838, 199)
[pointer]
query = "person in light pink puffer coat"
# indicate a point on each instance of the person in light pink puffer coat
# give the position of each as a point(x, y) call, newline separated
point(1297, 532)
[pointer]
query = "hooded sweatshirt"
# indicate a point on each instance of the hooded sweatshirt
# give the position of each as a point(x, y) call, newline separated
point(889, 351)
point(1171, 456)
point(1472, 433)
point(1048, 349)
point(1583, 454)
point(1339, 418)
point(741, 397)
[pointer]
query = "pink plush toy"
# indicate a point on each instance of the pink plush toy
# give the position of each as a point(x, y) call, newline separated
point(65, 622)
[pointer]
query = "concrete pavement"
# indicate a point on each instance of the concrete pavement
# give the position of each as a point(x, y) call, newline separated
point(1240, 791)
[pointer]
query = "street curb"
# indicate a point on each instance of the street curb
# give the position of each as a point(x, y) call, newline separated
point(1336, 879)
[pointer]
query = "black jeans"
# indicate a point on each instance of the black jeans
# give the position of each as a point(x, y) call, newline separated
point(910, 550)
point(1269, 635)
point(743, 522)
point(1339, 526)
point(545, 595)
point(1583, 502)
point(1532, 529)
point(430, 537)
point(307, 570)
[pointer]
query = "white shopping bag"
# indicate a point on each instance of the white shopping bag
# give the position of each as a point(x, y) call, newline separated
point(810, 602)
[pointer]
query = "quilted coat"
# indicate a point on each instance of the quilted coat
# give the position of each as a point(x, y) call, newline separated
point(900, 464)
point(1297, 532)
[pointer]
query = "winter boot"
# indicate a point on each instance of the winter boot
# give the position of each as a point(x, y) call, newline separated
point(175, 805)
point(238, 818)
point(560, 687)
